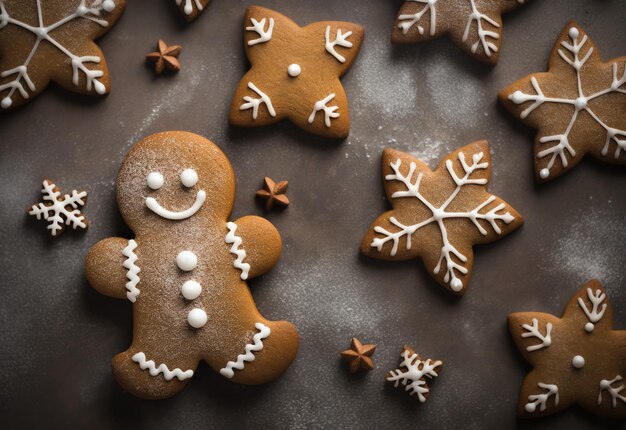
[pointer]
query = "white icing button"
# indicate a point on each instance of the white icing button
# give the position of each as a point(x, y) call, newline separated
point(6, 102)
point(544, 173)
point(191, 290)
point(186, 260)
point(573, 33)
point(155, 180)
point(189, 178)
point(108, 5)
point(294, 70)
point(578, 362)
point(530, 407)
point(580, 103)
point(589, 327)
point(197, 318)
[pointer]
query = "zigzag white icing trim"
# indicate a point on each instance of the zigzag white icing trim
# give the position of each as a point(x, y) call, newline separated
point(257, 345)
point(240, 253)
point(168, 374)
point(132, 270)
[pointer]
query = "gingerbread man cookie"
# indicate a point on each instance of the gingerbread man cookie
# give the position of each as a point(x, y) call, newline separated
point(577, 359)
point(53, 41)
point(578, 106)
point(295, 73)
point(439, 215)
point(185, 271)
point(474, 25)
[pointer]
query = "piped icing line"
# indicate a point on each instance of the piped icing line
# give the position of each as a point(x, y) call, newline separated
point(341, 39)
point(132, 270)
point(140, 358)
point(236, 242)
point(257, 345)
point(614, 392)
point(188, 8)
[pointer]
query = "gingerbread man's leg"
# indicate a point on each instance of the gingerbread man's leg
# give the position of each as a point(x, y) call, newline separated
point(258, 350)
point(152, 374)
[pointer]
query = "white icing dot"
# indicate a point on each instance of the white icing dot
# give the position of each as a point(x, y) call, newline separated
point(604, 384)
point(155, 180)
point(574, 33)
point(99, 87)
point(456, 285)
point(191, 290)
point(197, 318)
point(187, 261)
point(589, 327)
point(580, 103)
point(517, 97)
point(189, 178)
point(530, 407)
point(108, 5)
point(294, 70)
point(6, 103)
point(578, 362)
point(544, 173)
point(81, 10)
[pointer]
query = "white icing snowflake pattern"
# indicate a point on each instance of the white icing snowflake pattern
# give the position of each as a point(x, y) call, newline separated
point(92, 10)
point(541, 400)
point(414, 378)
point(59, 210)
point(533, 331)
point(576, 54)
point(454, 260)
point(487, 29)
point(614, 392)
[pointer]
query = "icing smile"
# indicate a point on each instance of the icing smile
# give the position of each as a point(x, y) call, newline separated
point(188, 178)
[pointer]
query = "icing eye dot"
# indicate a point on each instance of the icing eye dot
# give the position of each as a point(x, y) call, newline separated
point(191, 290)
point(189, 178)
point(155, 180)
point(294, 70)
point(197, 318)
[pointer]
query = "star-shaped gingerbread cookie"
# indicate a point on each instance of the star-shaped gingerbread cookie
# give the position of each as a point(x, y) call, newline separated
point(577, 359)
point(53, 41)
point(578, 106)
point(191, 9)
point(474, 25)
point(439, 215)
point(295, 73)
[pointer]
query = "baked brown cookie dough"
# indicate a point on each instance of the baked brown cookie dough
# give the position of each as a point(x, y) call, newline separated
point(439, 215)
point(295, 73)
point(43, 41)
point(474, 25)
point(185, 271)
point(578, 107)
point(577, 359)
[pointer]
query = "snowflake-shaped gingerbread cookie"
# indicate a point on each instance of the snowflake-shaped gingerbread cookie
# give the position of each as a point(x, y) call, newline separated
point(474, 25)
point(413, 373)
point(295, 73)
point(578, 106)
point(439, 215)
point(43, 41)
point(60, 210)
point(577, 359)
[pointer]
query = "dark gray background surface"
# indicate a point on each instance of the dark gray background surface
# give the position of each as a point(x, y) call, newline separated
point(59, 335)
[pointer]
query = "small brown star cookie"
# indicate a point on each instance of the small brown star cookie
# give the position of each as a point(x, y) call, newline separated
point(474, 25)
point(295, 73)
point(359, 355)
point(273, 193)
point(578, 106)
point(439, 215)
point(577, 359)
point(413, 372)
point(166, 57)
point(53, 41)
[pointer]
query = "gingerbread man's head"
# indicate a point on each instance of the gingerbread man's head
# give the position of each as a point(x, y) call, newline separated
point(172, 179)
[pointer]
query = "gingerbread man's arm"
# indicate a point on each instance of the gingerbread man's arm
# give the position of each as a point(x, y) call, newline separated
point(260, 241)
point(104, 267)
